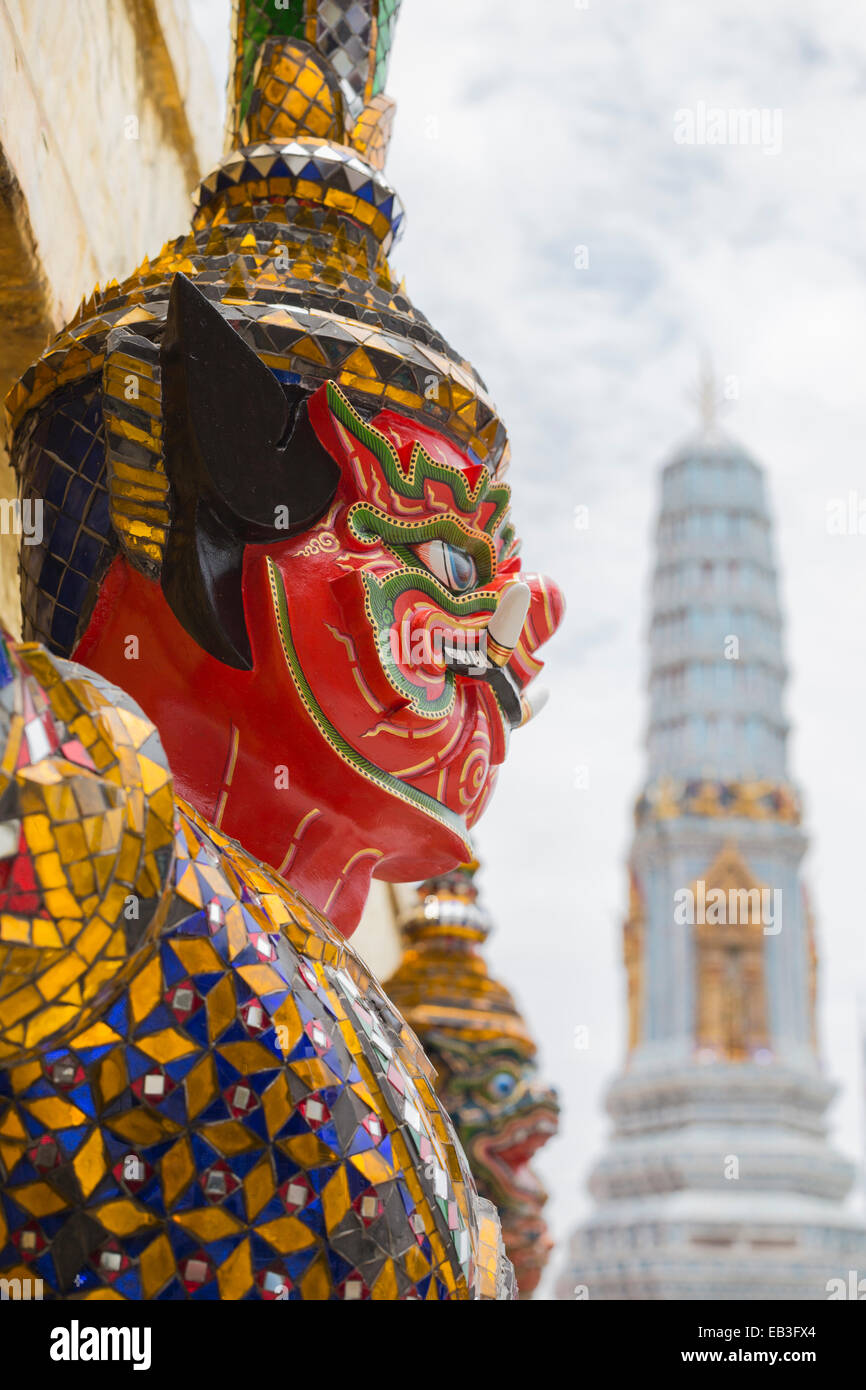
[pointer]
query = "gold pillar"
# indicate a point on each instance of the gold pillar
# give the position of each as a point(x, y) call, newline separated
point(633, 956)
point(731, 996)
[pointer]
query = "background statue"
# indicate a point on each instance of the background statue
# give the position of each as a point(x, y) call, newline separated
point(484, 1056)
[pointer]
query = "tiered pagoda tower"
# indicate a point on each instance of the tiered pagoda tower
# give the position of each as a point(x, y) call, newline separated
point(718, 1181)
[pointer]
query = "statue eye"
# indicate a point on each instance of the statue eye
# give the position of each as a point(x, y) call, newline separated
point(503, 1084)
point(454, 567)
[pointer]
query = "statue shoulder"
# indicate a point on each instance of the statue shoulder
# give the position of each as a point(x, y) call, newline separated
point(86, 836)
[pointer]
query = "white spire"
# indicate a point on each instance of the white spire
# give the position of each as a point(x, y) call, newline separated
point(706, 396)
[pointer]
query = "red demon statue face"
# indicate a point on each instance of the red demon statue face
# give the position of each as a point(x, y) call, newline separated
point(431, 625)
point(340, 639)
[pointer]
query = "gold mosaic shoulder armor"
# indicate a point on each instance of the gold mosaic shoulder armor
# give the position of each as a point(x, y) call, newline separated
point(203, 1093)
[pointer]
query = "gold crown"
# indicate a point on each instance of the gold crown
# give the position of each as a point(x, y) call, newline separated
point(291, 233)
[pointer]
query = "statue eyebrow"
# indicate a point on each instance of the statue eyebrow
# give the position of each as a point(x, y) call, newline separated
point(422, 466)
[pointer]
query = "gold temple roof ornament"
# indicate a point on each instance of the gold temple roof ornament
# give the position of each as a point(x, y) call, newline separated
point(670, 797)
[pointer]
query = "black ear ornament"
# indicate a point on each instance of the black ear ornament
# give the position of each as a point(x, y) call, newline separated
point(241, 457)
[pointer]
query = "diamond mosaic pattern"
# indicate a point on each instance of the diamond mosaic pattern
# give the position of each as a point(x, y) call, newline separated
point(355, 36)
point(254, 21)
point(343, 34)
point(242, 1114)
point(60, 572)
point(386, 19)
point(293, 93)
point(335, 176)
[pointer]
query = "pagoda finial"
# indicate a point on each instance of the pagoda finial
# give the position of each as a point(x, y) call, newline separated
point(707, 396)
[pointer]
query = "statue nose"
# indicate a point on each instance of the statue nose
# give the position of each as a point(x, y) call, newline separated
point(545, 1095)
point(529, 610)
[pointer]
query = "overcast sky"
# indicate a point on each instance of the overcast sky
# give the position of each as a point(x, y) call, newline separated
point(561, 237)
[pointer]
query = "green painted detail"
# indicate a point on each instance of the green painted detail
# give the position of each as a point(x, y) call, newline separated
point(380, 599)
point(263, 20)
point(421, 466)
point(387, 19)
point(508, 536)
point(370, 524)
point(377, 775)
